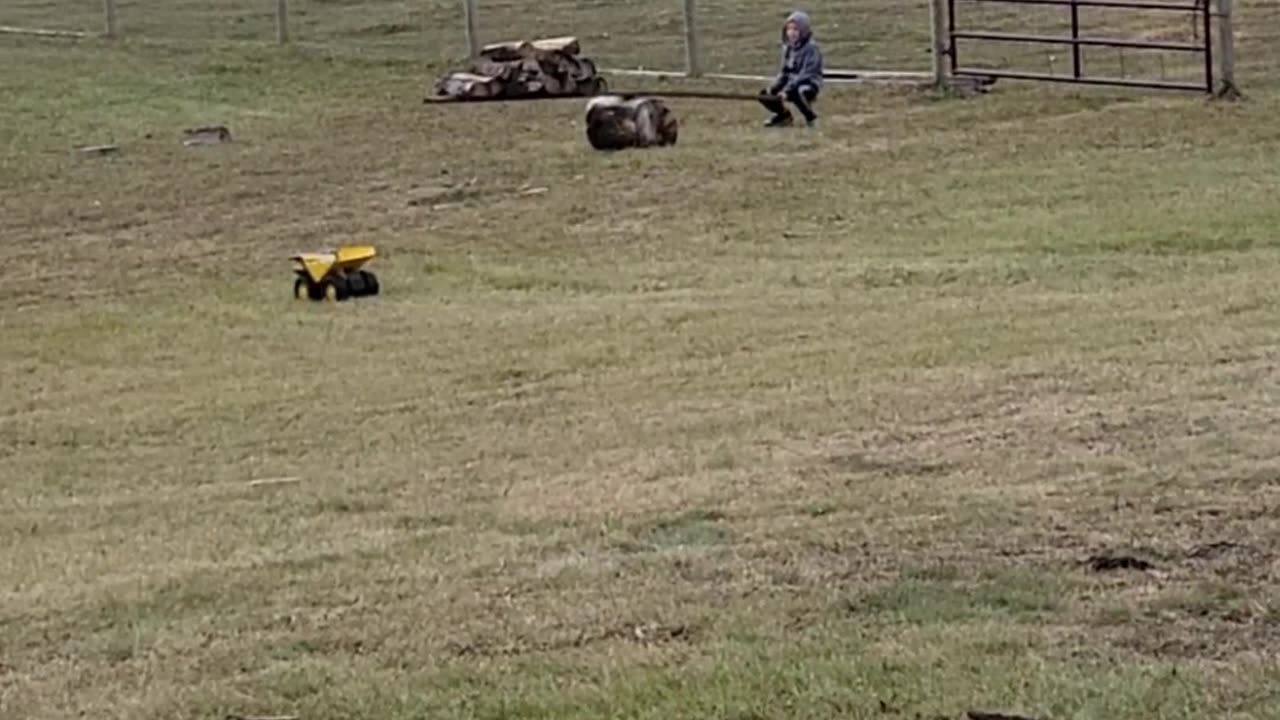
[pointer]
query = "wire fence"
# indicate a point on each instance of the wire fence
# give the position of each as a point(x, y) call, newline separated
point(733, 36)
point(736, 36)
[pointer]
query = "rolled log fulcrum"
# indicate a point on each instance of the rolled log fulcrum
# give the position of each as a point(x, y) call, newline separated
point(616, 123)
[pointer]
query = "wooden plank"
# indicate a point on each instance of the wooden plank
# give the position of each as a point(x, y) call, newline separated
point(851, 77)
point(626, 95)
point(9, 30)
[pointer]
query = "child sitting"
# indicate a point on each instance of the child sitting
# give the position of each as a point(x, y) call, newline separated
point(800, 77)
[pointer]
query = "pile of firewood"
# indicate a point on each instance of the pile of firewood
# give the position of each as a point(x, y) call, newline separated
point(543, 68)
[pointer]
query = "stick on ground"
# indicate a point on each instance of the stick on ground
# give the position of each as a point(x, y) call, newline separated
point(274, 481)
point(9, 30)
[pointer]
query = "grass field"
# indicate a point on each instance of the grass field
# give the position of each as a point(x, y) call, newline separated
point(765, 425)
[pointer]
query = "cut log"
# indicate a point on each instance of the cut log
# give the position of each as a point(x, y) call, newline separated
point(511, 50)
point(567, 45)
point(616, 123)
point(469, 86)
point(584, 69)
point(549, 67)
point(491, 68)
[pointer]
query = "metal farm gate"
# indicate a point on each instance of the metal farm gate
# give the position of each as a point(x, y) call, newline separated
point(1199, 9)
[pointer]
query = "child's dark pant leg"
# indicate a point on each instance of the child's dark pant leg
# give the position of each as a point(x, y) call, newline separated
point(802, 97)
point(769, 99)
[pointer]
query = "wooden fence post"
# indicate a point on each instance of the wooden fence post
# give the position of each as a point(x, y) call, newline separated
point(692, 41)
point(109, 9)
point(941, 41)
point(473, 35)
point(282, 21)
point(1226, 51)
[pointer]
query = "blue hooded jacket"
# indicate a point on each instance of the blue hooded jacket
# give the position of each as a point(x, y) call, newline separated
point(802, 62)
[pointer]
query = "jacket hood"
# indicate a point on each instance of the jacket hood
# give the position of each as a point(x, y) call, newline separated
point(801, 19)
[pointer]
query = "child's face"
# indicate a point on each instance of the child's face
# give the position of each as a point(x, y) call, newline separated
point(792, 32)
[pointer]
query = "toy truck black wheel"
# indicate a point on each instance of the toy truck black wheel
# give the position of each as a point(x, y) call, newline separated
point(370, 282)
point(356, 284)
point(304, 289)
point(336, 289)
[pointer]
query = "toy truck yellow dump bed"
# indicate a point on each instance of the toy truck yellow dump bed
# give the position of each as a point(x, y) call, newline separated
point(350, 257)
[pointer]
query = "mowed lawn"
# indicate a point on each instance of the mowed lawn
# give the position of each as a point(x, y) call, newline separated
point(765, 425)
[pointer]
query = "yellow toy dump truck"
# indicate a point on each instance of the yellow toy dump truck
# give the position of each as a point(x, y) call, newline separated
point(335, 275)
